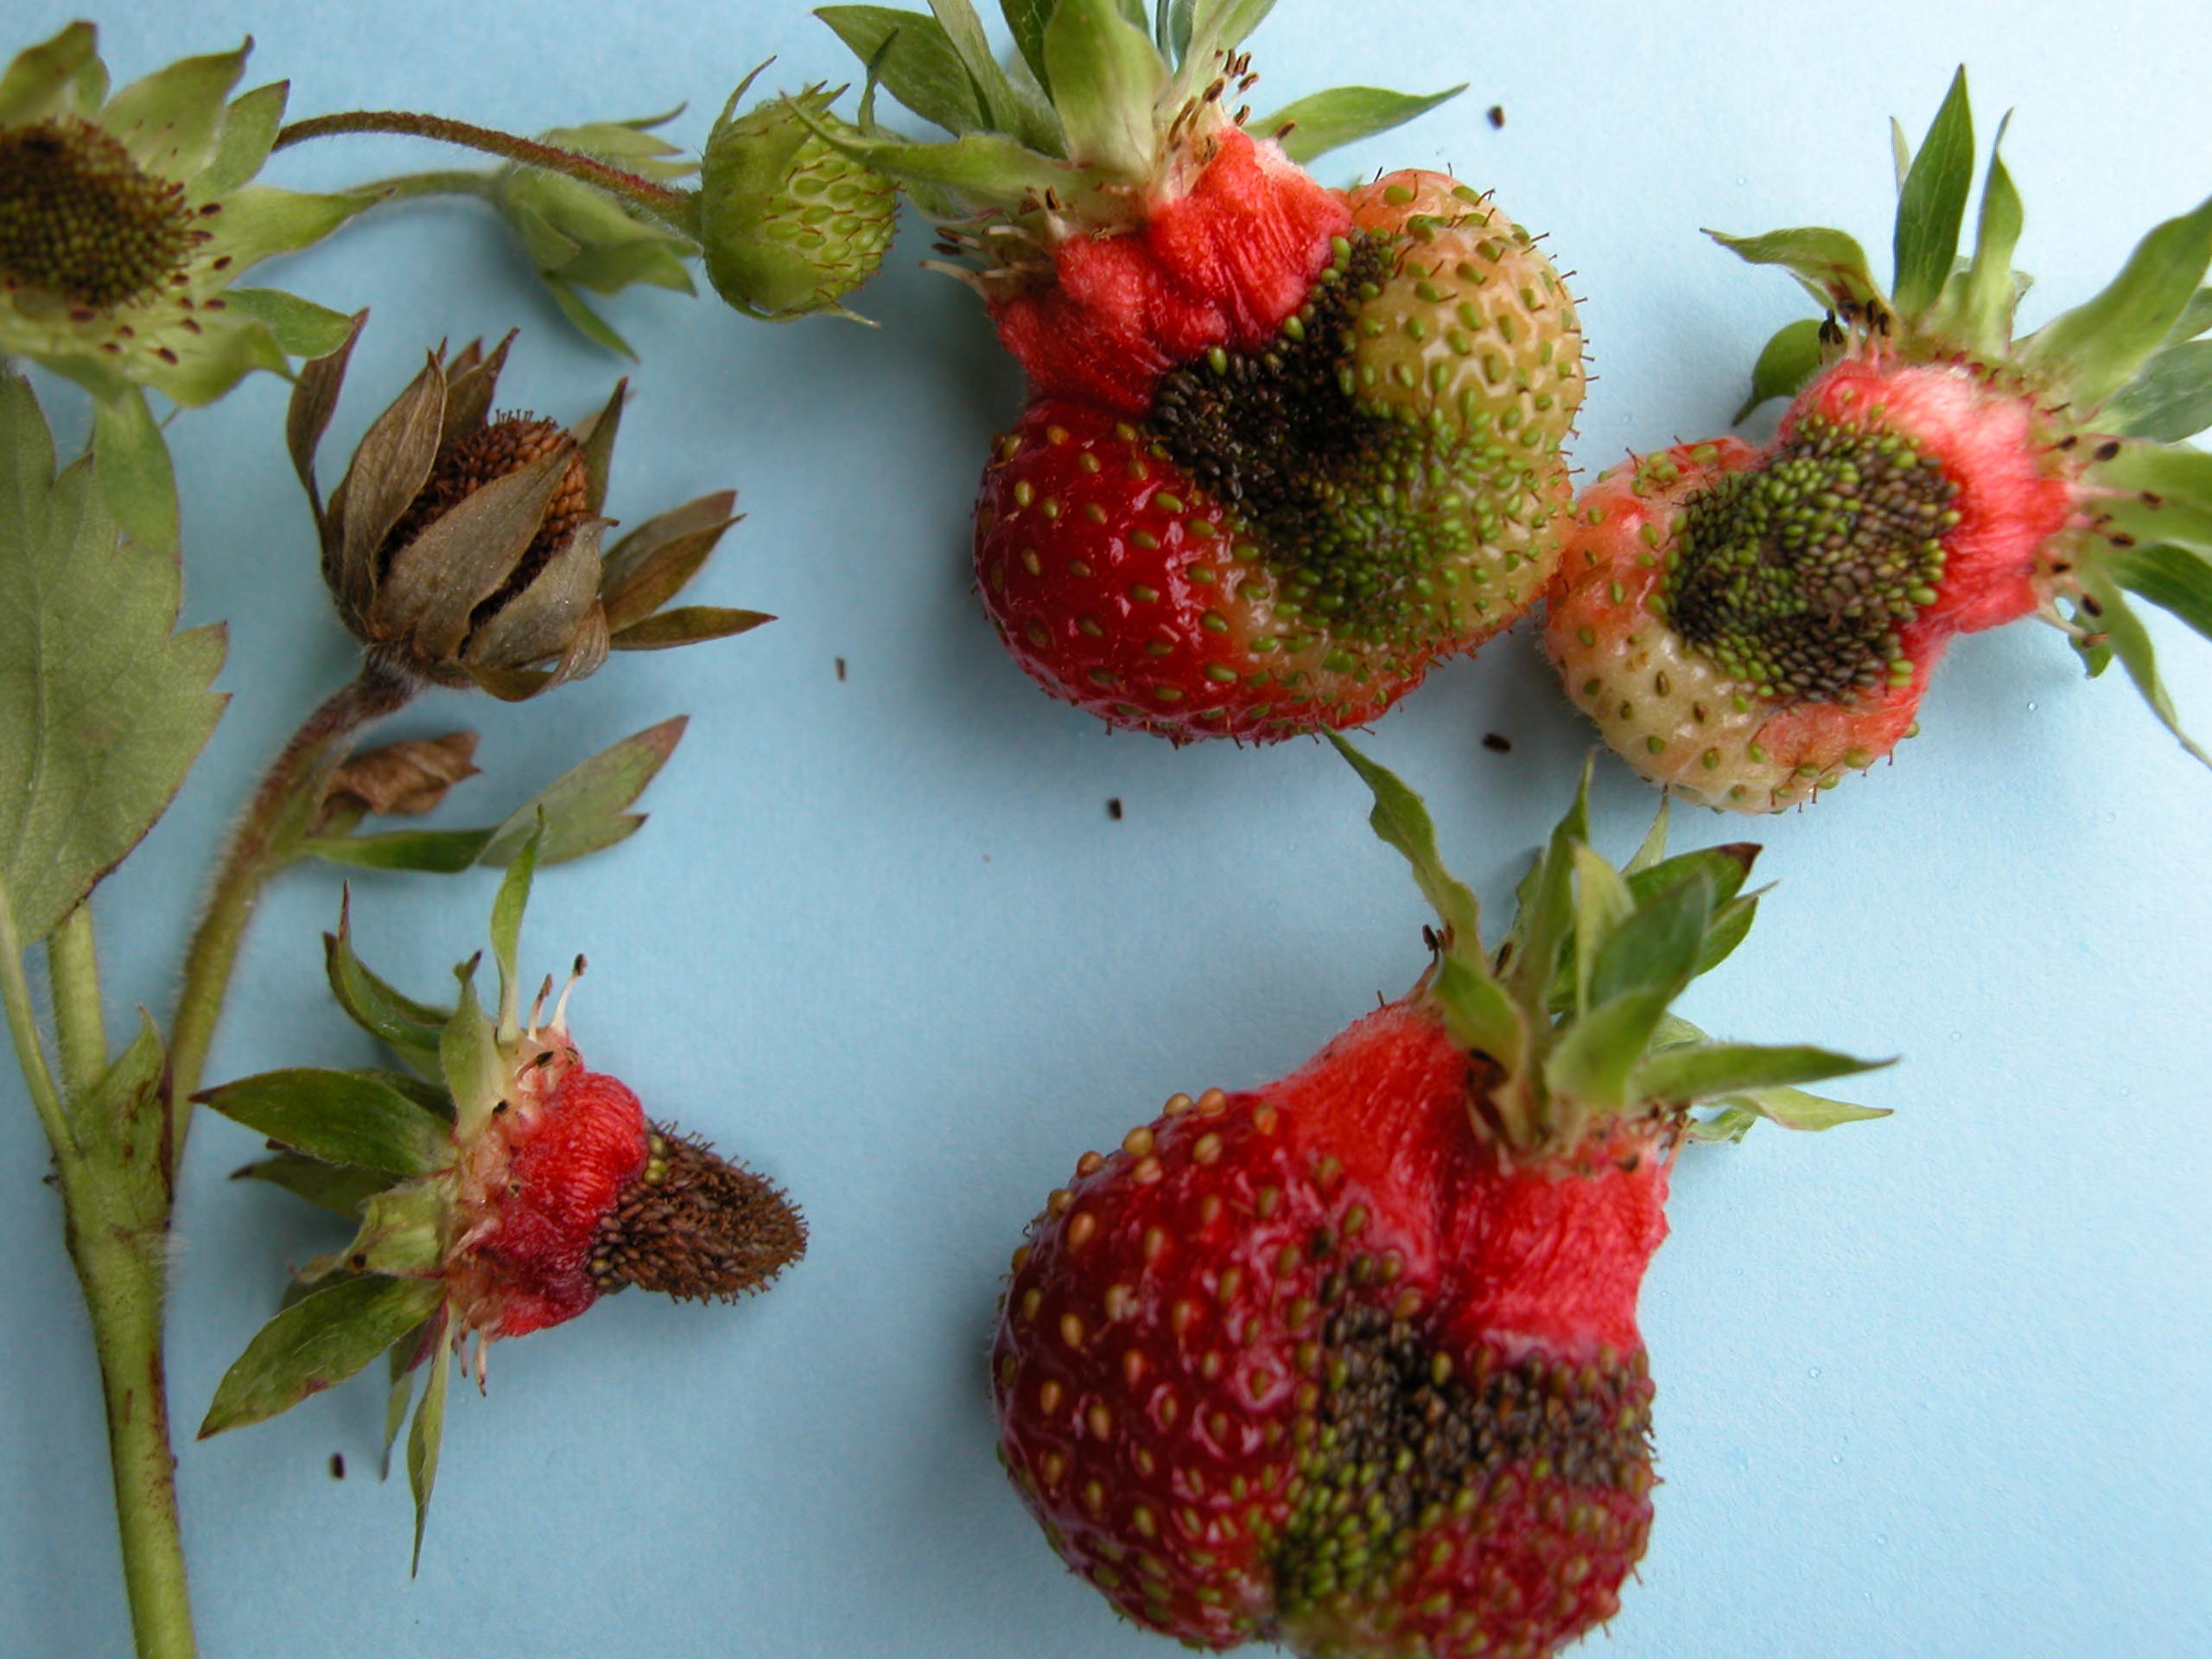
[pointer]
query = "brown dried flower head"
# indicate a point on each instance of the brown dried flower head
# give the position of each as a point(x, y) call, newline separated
point(463, 547)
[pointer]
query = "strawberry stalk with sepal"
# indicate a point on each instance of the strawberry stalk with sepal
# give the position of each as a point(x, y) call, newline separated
point(1747, 624)
point(1349, 1361)
point(1285, 446)
point(500, 1186)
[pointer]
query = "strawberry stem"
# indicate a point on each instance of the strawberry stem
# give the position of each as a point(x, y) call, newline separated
point(116, 1224)
point(266, 840)
point(678, 208)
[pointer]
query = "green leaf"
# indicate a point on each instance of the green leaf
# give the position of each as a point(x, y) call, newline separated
point(328, 1186)
point(251, 125)
point(1653, 848)
point(1479, 1014)
point(985, 169)
point(2168, 399)
point(259, 222)
point(1656, 947)
point(995, 93)
point(103, 709)
point(2173, 578)
point(1730, 1123)
point(1932, 207)
point(1027, 19)
point(1787, 362)
point(1544, 923)
point(1106, 78)
point(468, 1050)
point(2121, 632)
point(317, 1342)
point(437, 852)
point(2094, 349)
point(131, 458)
point(921, 68)
point(1329, 120)
point(409, 1027)
point(687, 625)
point(507, 908)
point(168, 120)
point(401, 1360)
point(1987, 293)
point(1900, 152)
point(341, 1117)
point(1830, 264)
point(1401, 820)
point(1602, 902)
point(422, 1443)
point(1218, 26)
point(2196, 318)
point(1694, 1071)
point(1591, 1061)
point(123, 1121)
point(301, 328)
point(1793, 1109)
point(587, 321)
point(39, 78)
point(1181, 20)
point(587, 808)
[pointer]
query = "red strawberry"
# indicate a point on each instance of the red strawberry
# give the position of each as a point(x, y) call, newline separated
point(505, 1192)
point(1350, 1361)
point(1748, 625)
point(1285, 445)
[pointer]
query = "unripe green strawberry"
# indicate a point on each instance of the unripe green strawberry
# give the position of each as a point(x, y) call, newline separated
point(788, 224)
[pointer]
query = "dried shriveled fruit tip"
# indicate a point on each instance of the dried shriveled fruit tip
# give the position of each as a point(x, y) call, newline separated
point(789, 224)
point(695, 1226)
point(2074, 492)
point(498, 1187)
point(465, 549)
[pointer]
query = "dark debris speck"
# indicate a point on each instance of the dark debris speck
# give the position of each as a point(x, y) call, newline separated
point(1498, 743)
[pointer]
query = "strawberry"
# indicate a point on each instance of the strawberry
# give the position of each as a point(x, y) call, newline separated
point(1285, 445)
point(1349, 1361)
point(1746, 624)
point(501, 1191)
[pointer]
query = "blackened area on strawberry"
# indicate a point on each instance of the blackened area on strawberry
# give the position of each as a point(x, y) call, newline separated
point(1408, 1443)
point(1799, 576)
point(1269, 431)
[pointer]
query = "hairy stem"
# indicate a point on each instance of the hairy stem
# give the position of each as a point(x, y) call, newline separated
point(675, 207)
point(265, 840)
point(119, 1259)
point(79, 1027)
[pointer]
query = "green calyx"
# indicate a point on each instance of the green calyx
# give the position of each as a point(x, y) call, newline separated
point(789, 224)
point(2121, 379)
point(2110, 356)
point(583, 240)
point(125, 222)
point(384, 1150)
point(1796, 577)
point(1102, 100)
point(1572, 1009)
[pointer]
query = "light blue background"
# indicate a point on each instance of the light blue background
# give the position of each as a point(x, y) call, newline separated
point(1937, 1385)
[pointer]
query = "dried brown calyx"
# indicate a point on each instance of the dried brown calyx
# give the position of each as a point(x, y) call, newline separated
point(80, 219)
point(694, 1225)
